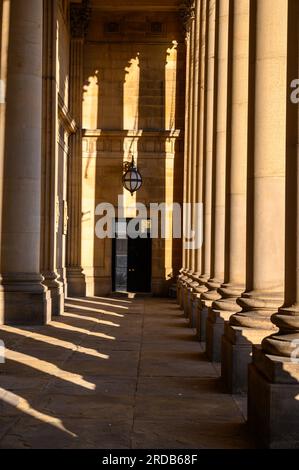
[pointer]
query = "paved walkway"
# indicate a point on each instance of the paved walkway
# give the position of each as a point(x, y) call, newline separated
point(114, 373)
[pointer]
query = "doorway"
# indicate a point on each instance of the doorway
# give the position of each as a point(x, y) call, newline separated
point(132, 258)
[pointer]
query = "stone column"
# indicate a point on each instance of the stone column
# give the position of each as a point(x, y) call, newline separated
point(222, 144)
point(49, 160)
point(235, 237)
point(212, 25)
point(273, 389)
point(4, 31)
point(266, 196)
point(187, 17)
point(76, 286)
point(220, 154)
point(195, 176)
point(183, 275)
point(200, 280)
point(194, 133)
point(24, 299)
point(191, 39)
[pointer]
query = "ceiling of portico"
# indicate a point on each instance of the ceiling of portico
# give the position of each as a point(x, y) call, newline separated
point(136, 5)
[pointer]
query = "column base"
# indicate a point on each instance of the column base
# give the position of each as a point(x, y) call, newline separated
point(181, 297)
point(194, 308)
point(273, 404)
point(236, 355)
point(24, 300)
point(202, 316)
point(57, 299)
point(188, 312)
point(182, 291)
point(214, 331)
point(76, 284)
point(102, 286)
point(56, 290)
point(185, 299)
point(178, 290)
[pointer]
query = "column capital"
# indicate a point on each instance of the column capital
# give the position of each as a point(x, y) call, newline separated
point(187, 15)
point(80, 16)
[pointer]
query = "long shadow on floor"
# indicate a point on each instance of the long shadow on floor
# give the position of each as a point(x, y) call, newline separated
point(112, 374)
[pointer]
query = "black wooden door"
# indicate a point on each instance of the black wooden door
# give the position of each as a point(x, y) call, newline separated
point(139, 264)
point(132, 260)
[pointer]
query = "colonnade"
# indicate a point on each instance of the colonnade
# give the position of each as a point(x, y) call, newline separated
point(240, 289)
point(41, 108)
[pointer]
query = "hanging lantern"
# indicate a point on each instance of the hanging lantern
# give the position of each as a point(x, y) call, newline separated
point(132, 179)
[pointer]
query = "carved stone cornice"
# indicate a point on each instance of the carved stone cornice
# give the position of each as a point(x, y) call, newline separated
point(187, 14)
point(80, 16)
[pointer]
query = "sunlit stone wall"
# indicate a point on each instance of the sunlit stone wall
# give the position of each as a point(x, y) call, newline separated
point(133, 103)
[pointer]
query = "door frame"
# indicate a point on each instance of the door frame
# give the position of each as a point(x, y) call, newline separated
point(113, 264)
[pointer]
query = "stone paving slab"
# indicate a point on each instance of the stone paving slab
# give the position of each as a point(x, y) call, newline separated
point(114, 373)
